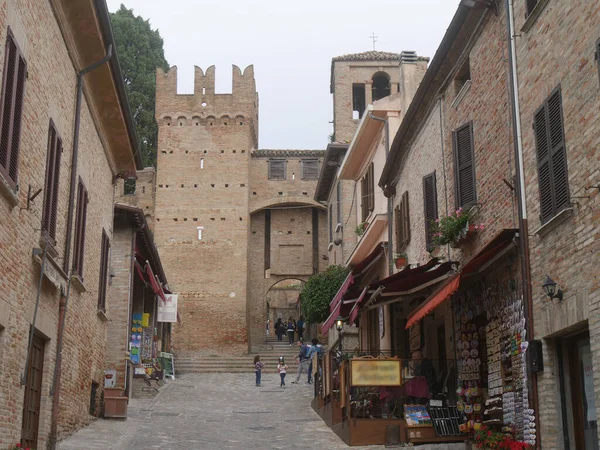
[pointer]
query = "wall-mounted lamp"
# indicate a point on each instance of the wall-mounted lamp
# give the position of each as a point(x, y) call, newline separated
point(550, 289)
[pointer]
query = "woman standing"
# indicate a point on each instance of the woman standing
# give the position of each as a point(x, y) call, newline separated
point(279, 329)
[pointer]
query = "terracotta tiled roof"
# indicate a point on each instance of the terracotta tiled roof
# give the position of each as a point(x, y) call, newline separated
point(369, 56)
point(288, 153)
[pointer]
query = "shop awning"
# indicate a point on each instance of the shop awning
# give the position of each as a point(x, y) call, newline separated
point(139, 269)
point(502, 243)
point(447, 288)
point(342, 309)
point(360, 268)
point(156, 287)
point(340, 293)
point(372, 237)
point(356, 307)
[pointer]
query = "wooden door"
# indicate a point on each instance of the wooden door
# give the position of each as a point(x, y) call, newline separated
point(33, 394)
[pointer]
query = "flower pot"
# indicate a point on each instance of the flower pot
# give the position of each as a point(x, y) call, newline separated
point(463, 236)
point(401, 263)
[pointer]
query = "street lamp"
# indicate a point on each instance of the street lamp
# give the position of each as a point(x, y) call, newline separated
point(550, 289)
point(339, 325)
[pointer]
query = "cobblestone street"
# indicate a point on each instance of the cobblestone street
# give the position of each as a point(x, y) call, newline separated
point(215, 411)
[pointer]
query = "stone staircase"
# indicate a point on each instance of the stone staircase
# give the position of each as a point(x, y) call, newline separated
point(197, 363)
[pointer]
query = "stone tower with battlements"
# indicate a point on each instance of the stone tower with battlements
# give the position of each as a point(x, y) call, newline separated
point(230, 221)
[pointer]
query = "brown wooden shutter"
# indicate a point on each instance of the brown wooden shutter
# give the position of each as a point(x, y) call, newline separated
point(13, 90)
point(49, 214)
point(430, 207)
point(464, 166)
point(80, 224)
point(364, 197)
point(371, 187)
point(402, 223)
point(104, 265)
point(597, 55)
point(330, 222)
point(339, 201)
point(310, 169)
point(277, 169)
point(551, 157)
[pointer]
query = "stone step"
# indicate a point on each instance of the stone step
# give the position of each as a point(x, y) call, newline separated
point(227, 370)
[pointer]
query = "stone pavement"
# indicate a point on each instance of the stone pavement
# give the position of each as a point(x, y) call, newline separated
point(213, 412)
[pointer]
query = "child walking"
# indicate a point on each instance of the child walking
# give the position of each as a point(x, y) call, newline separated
point(282, 369)
point(258, 365)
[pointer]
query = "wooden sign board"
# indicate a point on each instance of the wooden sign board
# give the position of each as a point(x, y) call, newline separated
point(375, 372)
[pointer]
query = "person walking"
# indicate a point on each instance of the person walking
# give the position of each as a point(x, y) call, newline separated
point(278, 329)
point(282, 369)
point(300, 328)
point(290, 331)
point(258, 365)
point(268, 323)
point(314, 348)
point(303, 361)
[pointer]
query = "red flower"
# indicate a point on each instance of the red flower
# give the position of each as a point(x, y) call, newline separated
point(489, 433)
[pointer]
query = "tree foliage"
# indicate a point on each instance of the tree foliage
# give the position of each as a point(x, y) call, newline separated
point(140, 50)
point(318, 292)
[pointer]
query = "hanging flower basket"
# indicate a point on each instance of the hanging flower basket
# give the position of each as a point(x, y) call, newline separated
point(455, 229)
point(401, 260)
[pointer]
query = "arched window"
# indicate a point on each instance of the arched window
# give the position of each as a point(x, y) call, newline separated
point(381, 85)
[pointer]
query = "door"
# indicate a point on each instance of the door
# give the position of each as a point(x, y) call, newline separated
point(33, 394)
point(585, 416)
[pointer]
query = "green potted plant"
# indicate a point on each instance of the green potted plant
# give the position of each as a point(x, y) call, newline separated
point(455, 228)
point(401, 260)
point(361, 228)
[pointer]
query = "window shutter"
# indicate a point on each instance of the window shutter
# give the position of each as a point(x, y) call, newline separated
point(371, 187)
point(403, 223)
point(364, 205)
point(310, 169)
point(330, 222)
point(464, 166)
point(597, 55)
point(104, 260)
point(13, 89)
point(531, 6)
point(49, 215)
point(431, 208)
point(80, 224)
point(551, 157)
point(277, 169)
point(339, 202)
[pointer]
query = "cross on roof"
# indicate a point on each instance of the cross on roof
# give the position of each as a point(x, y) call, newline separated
point(374, 38)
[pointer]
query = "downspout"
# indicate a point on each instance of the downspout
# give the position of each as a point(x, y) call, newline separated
point(390, 199)
point(64, 300)
point(522, 205)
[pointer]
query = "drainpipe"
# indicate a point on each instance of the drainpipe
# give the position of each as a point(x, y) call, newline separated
point(390, 205)
point(64, 300)
point(522, 205)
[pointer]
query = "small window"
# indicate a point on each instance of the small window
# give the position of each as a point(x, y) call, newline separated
point(381, 85)
point(202, 163)
point(359, 102)
point(50, 210)
point(104, 266)
point(129, 186)
point(462, 76)
point(80, 224)
point(13, 89)
point(430, 207)
point(531, 4)
point(464, 166)
point(367, 193)
point(310, 169)
point(277, 168)
point(551, 155)
point(403, 223)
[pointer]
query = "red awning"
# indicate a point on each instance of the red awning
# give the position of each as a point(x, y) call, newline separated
point(447, 288)
point(340, 293)
point(156, 287)
point(356, 307)
point(342, 309)
point(368, 262)
point(139, 269)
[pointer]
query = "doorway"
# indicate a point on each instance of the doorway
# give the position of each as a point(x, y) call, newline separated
point(583, 400)
point(33, 394)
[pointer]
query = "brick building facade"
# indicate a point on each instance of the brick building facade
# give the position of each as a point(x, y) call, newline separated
point(47, 43)
point(230, 220)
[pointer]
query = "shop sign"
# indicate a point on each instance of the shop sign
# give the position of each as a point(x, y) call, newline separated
point(167, 311)
point(375, 372)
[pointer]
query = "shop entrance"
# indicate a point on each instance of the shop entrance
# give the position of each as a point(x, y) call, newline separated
point(33, 394)
point(585, 415)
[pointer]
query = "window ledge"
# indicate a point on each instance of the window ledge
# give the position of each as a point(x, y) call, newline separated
point(103, 315)
point(77, 283)
point(8, 192)
point(461, 94)
point(532, 18)
point(554, 222)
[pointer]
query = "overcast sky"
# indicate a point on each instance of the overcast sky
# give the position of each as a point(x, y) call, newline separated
point(291, 45)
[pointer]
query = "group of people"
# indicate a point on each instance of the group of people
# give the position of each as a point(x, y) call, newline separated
point(291, 328)
point(304, 358)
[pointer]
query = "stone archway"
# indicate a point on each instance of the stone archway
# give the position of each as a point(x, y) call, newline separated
point(282, 301)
